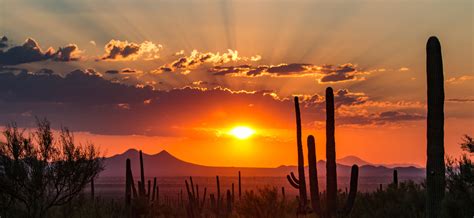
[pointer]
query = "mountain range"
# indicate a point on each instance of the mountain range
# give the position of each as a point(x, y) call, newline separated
point(163, 164)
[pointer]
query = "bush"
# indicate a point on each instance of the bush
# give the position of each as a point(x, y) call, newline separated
point(42, 172)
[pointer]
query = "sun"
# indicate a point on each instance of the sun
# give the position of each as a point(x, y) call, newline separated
point(242, 132)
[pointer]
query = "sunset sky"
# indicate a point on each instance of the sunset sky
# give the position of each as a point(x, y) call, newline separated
point(180, 75)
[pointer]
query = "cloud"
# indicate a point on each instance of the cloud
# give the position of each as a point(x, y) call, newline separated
point(339, 73)
point(196, 58)
point(129, 51)
point(460, 100)
point(70, 52)
point(459, 80)
point(123, 71)
point(3, 42)
point(30, 51)
point(86, 101)
point(324, 74)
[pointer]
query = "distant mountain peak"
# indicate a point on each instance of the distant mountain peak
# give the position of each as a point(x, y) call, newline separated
point(164, 153)
point(351, 159)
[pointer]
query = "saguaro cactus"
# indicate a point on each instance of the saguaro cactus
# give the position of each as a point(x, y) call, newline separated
point(299, 183)
point(331, 173)
point(240, 187)
point(218, 197)
point(313, 175)
point(195, 205)
point(142, 176)
point(435, 168)
point(92, 189)
point(229, 203)
point(353, 190)
point(128, 183)
point(395, 178)
point(154, 190)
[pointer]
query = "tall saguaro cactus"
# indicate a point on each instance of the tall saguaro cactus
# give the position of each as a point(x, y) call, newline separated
point(331, 173)
point(435, 168)
point(300, 182)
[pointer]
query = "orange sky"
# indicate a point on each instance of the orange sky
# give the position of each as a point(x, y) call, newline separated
point(177, 75)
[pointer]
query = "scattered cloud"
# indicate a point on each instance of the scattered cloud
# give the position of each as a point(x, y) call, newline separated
point(123, 71)
point(129, 51)
point(3, 42)
point(196, 58)
point(30, 51)
point(460, 100)
point(458, 80)
point(70, 52)
point(324, 74)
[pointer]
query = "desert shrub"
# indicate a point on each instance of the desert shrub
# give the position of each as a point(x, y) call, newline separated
point(42, 172)
point(406, 200)
point(266, 202)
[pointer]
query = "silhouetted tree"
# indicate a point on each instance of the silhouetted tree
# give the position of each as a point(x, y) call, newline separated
point(468, 144)
point(42, 171)
point(460, 183)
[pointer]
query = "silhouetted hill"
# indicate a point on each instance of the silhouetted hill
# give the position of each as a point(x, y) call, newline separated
point(164, 164)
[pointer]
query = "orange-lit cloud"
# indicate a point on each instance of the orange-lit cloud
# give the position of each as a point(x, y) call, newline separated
point(460, 79)
point(197, 58)
point(129, 51)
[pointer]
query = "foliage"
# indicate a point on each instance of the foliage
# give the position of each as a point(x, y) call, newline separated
point(265, 203)
point(42, 171)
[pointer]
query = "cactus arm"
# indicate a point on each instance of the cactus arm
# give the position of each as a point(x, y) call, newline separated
point(294, 178)
point(292, 183)
point(353, 190)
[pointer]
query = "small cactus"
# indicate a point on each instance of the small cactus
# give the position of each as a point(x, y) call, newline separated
point(240, 187)
point(395, 178)
point(141, 188)
point(195, 206)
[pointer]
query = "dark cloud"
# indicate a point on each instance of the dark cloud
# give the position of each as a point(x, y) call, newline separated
point(30, 51)
point(3, 42)
point(399, 116)
point(460, 100)
point(285, 69)
point(70, 52)
point(85, 101)
point(339, 73)
point(123, 71)
point(325, 73)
